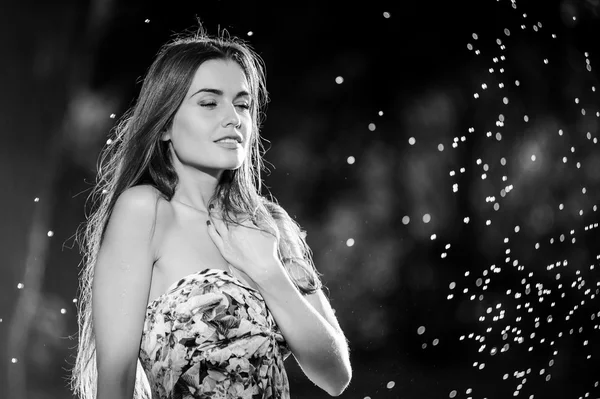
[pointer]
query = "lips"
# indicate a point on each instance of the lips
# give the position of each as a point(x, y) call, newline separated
point(234, 137)
point(229, 144)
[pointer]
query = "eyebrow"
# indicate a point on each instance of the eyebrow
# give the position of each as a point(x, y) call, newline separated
point(220, 92)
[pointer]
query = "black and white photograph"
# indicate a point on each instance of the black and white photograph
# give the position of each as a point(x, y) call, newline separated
point(304, 200)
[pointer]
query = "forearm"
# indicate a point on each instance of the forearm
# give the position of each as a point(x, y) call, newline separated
point(113, 390)
point(115, 383)
point(320, 348)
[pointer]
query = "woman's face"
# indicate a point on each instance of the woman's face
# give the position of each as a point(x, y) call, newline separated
point(211, 128)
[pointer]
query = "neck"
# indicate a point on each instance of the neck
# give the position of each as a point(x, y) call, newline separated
point(203, 211)
point(195, 186)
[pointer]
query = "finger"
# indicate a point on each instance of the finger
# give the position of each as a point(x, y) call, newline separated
point(214, 234)
point(216, 216)
point(218, 224)
point(211, 227)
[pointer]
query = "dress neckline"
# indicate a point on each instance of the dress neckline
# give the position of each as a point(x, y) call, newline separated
point(204, 271)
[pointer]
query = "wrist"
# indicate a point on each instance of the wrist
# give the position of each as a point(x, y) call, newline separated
point(271, 276)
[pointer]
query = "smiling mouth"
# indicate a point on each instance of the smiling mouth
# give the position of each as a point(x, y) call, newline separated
point(228, 140)
point(229, 144)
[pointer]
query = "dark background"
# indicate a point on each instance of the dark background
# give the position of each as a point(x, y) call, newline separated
point(473, 268)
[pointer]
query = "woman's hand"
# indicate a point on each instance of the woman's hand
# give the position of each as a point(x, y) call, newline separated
point(245, 246)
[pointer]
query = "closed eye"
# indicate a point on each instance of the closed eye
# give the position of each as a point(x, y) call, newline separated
point(243, 106)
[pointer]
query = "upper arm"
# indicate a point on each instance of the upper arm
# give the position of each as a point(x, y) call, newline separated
point(120, 287)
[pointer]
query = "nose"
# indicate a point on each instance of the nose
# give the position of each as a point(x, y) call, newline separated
point(231, 117)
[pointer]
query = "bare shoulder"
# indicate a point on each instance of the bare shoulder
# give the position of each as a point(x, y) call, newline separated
point(142, 202)
point(140, 199)
point(141, 210)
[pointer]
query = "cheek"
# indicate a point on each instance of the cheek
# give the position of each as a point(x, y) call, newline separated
point(248, 138)
point(248, 126)
point(189, 138)
point(190, 128)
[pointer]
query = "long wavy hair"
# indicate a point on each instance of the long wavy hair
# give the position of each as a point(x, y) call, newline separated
point(135, 154)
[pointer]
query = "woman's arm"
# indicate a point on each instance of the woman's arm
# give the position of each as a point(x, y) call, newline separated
point(308, 325)
point(120, 290)
point(311, 330)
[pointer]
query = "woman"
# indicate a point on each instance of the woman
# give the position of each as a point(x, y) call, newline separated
point(194, 285)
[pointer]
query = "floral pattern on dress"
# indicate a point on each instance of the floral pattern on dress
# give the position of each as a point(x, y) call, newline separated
point(211, 336)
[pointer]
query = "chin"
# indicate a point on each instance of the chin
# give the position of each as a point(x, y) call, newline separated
point(233, 165)
point(231, 161)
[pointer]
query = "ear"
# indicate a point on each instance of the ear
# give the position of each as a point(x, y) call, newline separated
point(166, 135)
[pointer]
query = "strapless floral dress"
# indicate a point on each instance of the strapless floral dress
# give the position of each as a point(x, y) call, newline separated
point(211, 336)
